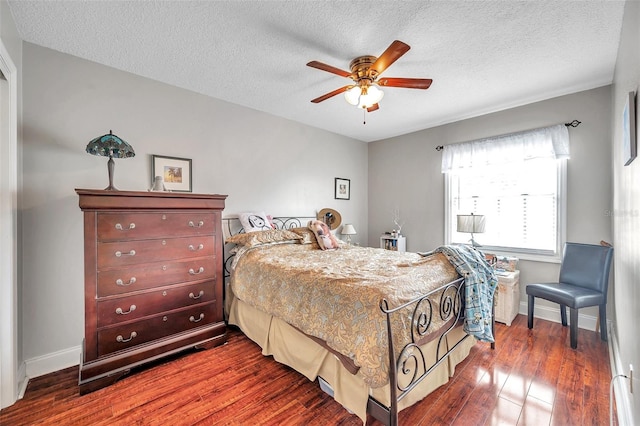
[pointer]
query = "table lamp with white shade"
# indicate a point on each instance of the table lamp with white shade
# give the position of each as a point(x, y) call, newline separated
point(471, 223)
point(348, 230)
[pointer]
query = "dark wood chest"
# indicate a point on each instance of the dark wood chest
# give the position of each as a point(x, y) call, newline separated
point(153, 279)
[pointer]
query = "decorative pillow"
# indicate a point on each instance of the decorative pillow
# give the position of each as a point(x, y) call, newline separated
point(257, 238)
point(254, 221)
point(308, 237)
point(325, 238)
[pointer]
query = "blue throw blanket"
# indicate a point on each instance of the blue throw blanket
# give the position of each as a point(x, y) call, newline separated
point(480, 285)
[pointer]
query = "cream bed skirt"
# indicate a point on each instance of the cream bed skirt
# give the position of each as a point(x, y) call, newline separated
point(289, 346)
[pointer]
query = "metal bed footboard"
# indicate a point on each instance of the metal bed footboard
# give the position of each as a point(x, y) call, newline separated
point(408, 367)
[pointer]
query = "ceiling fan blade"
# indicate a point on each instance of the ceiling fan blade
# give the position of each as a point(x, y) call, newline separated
point(389, 56)
point(373, 107)
point(409, 83)
point(330, 94)
point(328, 68)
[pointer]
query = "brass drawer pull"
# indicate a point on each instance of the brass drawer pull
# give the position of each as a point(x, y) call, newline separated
point(131, 253)
point(119, 311)
point(120, 228)
point(192, 272)
point(192, 248)
point(199, 225)
point(193, 319)
point(123, 340)
point(123, 284)
point(193, 296)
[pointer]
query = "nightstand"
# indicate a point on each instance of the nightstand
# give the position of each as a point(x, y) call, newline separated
point(508, 296)
point(390, 242)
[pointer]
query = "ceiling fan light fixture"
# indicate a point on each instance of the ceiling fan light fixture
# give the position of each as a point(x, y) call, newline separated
point(363, 97)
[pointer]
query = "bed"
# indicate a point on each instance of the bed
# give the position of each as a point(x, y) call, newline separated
point(378, 329)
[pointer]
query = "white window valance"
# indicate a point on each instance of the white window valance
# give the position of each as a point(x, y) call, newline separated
point(546, 142)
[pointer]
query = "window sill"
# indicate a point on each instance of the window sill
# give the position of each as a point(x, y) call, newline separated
point(534, 257)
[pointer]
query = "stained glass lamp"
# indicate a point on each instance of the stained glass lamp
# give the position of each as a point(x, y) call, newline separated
point(113, 147)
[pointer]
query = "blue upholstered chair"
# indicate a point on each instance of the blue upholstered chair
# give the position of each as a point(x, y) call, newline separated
point(584, 279)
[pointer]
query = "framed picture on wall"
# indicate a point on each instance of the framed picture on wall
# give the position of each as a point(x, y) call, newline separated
point(342, 189)
point(175, 172)
point(629, 147)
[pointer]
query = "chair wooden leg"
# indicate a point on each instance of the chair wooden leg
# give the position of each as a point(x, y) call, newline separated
point(563, 315)
point(530, 312)
point(602, 309)
point(573, 327)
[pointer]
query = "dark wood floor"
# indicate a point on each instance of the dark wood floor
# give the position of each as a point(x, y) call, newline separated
point(532, 378)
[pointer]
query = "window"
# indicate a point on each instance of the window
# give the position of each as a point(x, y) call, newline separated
point(521, 196)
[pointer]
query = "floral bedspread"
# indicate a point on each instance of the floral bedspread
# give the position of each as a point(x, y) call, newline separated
point(335, 295)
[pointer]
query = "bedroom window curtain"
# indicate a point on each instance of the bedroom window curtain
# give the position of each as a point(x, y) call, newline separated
point(547, 142)
point(517, 182)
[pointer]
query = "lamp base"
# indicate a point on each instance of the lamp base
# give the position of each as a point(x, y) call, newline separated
point(473, 242)
point(110, 168)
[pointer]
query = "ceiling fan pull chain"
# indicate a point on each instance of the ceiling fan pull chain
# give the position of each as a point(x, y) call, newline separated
point(364, 116)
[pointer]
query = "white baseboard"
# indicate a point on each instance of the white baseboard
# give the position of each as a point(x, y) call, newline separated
point(49, 363)
point(46, 364)
point(23, 380)
point(550, 313)
point(621, 384)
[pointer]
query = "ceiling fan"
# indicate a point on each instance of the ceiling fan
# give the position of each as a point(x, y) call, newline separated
point(365, 93)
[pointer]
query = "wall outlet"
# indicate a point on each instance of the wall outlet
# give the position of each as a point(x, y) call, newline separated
point(631, 378)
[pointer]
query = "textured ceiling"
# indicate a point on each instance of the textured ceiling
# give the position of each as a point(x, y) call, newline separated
point(483, 56)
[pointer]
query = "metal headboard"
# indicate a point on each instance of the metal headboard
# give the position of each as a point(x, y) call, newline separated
point(232, 226)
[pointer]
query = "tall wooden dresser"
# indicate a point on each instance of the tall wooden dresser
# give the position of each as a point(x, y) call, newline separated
point(153, 279)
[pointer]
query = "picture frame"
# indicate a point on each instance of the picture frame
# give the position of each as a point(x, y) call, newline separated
point(629, 140)
point(342, 189)
point(175, 172)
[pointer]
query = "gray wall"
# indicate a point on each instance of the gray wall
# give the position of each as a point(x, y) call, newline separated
point(262, 162)
point(626, 196)
point(405, 171)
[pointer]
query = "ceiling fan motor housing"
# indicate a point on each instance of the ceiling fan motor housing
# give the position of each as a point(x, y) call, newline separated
point(361, 71)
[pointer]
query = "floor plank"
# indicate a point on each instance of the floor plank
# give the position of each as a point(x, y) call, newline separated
point(532, 377)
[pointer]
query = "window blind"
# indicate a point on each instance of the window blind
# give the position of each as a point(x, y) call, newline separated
point(515, 181)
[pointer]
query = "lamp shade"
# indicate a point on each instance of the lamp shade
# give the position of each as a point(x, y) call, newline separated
point(471, 223)
point(348, 229)
point(113, 147)
point(353, 95)
point(110, 145)
point(363, 97)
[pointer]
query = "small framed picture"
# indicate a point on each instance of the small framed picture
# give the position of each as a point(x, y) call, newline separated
point(175, 172)
point(629, 129)
point(343, 189)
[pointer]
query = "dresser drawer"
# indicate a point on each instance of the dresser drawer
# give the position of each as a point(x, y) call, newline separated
point(156, 274)
point(120, 253)
point(127, 308)
point(129, 226)
point(128, 335)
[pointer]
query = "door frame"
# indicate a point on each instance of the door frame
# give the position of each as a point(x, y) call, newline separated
point(8, 231)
